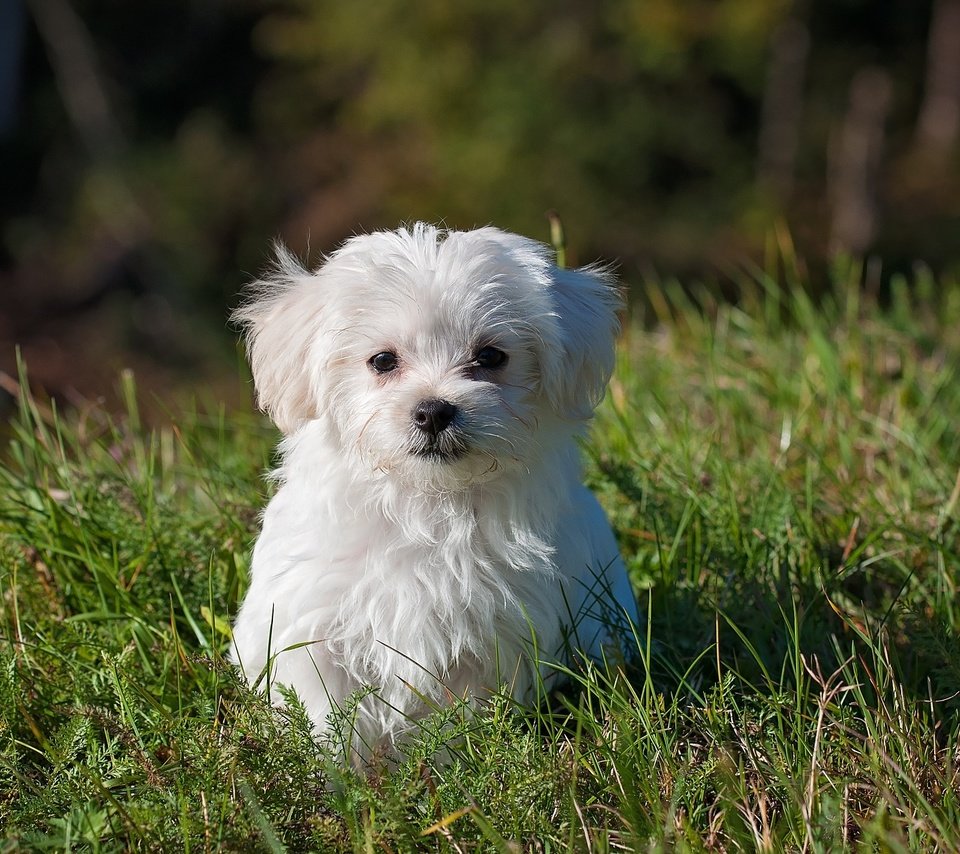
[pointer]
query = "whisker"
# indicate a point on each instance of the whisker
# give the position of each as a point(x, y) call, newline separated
point(523, 421)
point(363, 430)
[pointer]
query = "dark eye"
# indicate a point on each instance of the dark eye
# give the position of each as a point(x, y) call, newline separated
point(384, 362)
point(490, 358)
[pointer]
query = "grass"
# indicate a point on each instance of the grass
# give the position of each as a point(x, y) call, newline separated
point(783, 477)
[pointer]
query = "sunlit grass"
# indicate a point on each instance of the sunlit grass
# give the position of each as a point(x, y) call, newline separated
point(783, 478)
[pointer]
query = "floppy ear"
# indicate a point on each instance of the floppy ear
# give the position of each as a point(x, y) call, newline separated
point(281, 320)
point(578, 363)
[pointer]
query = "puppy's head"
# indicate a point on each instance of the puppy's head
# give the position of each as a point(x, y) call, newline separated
point(432, 355)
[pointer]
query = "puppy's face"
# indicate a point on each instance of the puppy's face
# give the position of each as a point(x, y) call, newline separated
point(432, 370)
point(430, 357)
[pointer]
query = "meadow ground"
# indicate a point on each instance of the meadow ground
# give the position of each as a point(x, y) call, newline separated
point(783, 478)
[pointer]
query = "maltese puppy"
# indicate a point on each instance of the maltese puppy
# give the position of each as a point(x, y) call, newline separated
point(430, 538)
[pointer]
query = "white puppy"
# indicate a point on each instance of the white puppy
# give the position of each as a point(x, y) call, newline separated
point(430, 535)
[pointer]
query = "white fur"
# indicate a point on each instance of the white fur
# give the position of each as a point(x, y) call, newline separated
point(427, 576)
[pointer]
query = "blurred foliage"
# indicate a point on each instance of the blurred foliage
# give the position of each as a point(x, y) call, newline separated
point(525, 107)
point(640, 121)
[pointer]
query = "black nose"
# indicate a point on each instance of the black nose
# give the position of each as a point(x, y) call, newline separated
point(433, 415)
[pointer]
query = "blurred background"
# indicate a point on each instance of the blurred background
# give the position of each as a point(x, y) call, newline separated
point(151, 150)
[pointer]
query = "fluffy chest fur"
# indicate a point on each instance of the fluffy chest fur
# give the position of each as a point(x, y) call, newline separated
point(417, 596)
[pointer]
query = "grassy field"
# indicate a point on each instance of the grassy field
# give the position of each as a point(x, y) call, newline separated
point(783, 477)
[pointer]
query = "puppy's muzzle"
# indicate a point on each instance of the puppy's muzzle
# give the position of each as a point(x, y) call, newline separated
point(433, 416)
